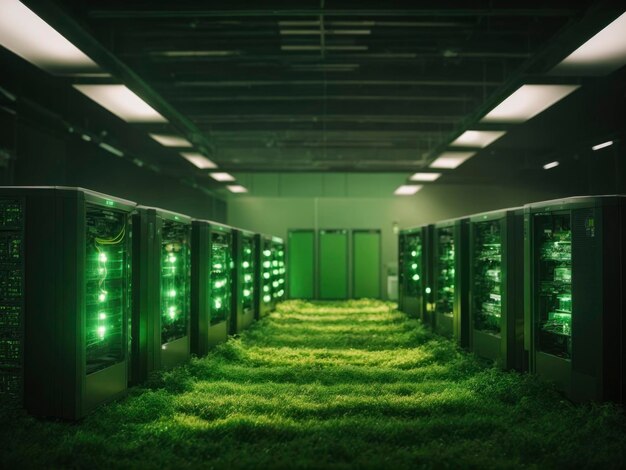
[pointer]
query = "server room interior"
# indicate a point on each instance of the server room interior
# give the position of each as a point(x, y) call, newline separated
point(326, 174)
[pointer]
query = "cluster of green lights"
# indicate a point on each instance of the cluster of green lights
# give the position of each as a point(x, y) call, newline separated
point(221, 269)
point(412, 261)
point(278, 273)
point(101, 328)
point(169, 267)
point(267, 274)
point(248, 277)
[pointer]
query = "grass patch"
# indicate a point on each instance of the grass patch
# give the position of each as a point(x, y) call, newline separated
point(332, 385)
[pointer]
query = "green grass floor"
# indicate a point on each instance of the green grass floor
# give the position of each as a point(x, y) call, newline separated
point(352, 384)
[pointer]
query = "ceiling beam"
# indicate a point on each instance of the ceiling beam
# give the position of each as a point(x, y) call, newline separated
point(389, 83)
point(316, 12)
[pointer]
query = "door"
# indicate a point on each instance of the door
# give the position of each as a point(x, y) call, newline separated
point(333, 264)
point(366, 256)
point(301, 264)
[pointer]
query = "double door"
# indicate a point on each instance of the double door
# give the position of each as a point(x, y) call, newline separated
point(334, 264)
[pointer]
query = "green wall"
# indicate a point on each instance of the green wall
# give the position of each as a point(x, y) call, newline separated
point(276, 215)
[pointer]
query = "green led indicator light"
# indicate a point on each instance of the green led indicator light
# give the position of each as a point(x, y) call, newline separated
point(108, 202)
point(428, 290)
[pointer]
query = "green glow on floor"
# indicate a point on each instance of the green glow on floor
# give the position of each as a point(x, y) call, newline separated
point(351, 384)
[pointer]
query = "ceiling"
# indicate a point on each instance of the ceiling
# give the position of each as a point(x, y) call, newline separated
point(329, 85)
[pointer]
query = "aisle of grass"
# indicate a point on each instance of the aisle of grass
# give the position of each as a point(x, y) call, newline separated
point(333, 385)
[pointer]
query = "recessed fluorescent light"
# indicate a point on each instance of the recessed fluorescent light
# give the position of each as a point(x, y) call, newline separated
point(235, 188)
point(451, 160)
point(86, 137)
point(122, 102)
point(547, 166)
point(27, 35)
point(222, 176)
point(171, 140)
point(527, 102)
point(198, 160)
point(425, 176)
point(111, 149)
point(407, 189)
point(600, 55)
point(602, 145)
point(477, 138)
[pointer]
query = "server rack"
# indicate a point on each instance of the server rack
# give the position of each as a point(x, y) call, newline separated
point(278, 270)
point(263, 275)
point(496, 310)
point(161, 291)
point(211, 286)
point(450, 276)
point(415, 272)
point(64, 298)
point(244, 292)
point(575, 294)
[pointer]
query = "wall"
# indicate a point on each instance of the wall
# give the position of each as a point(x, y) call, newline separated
point(47, 155)
point(276, 215)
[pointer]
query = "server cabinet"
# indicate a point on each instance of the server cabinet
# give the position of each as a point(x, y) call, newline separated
point(415, 272)
point(495, 309)
point(64, 298)
point(450, 260)
point(366, 264)
point(333, 264)
point(301, 264)
point(574, 290)
point(263, 275)
point(211, 287)
point(244, 304)
point(160, 333)
point(278, 270)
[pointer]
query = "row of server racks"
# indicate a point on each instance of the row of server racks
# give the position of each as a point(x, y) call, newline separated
point(539, 289)
point(96, 293)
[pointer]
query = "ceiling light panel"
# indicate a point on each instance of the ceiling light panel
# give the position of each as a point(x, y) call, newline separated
point(480, 139)
point(527, 102)
point(550, 165)
point(171, 140)
point(600, 55)
point(122, 102)
point(425, 176)
point(602, 145)
point(451, 160)
point(235, 188)
point(198, 160)
point(407, 189)
point(222, 177)
point(27, 35)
